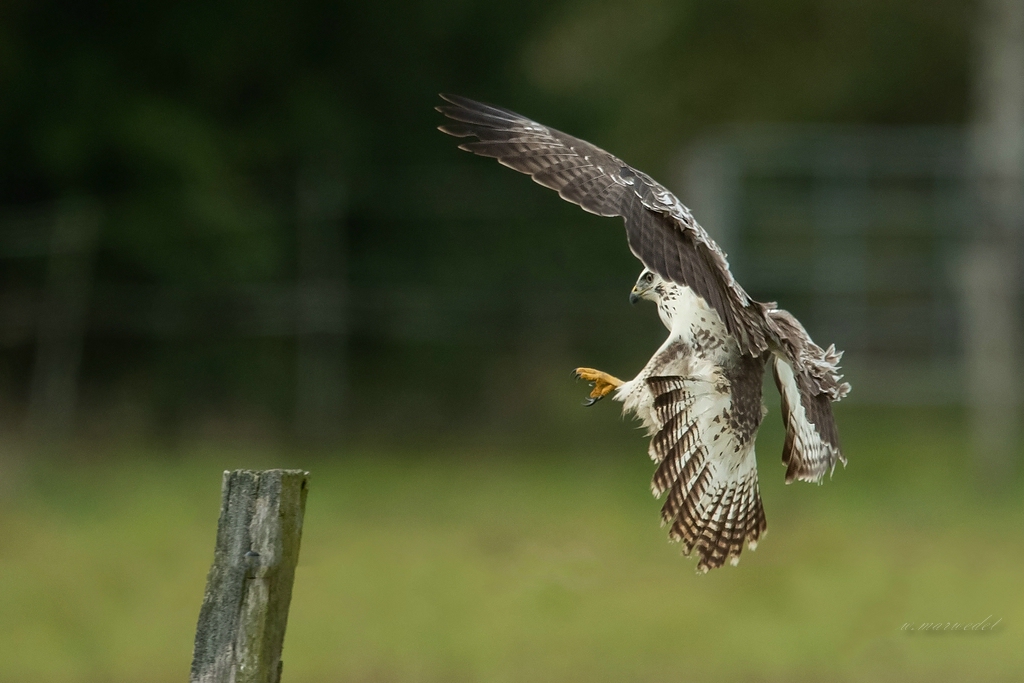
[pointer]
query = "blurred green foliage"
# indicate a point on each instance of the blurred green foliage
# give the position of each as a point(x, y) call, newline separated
point(190, 122)
point(505, 564)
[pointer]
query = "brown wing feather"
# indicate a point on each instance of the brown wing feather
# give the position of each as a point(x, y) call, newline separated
point(808, 380)
point(662, 233)
point(707, 470)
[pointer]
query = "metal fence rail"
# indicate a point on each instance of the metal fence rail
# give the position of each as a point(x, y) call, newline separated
point(859, 231)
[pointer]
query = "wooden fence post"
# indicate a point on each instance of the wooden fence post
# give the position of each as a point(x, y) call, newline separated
point(249, 587)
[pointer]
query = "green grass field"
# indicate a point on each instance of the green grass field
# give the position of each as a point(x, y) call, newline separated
point(490, 564)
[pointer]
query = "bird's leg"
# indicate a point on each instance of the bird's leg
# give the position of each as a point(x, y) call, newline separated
point(603, 383)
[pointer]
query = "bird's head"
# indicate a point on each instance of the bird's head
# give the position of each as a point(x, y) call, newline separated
point(649, 285)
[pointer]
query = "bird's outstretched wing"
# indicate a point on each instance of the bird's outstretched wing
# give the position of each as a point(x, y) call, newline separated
point(662, 233)
point(707, 466)
point(809, 381)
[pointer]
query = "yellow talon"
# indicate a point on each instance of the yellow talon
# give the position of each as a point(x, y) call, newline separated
point(603, 383)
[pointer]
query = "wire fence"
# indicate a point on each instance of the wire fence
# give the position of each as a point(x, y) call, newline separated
point(857, 231)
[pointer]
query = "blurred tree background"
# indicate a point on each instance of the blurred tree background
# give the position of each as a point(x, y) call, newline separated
point(191, 126)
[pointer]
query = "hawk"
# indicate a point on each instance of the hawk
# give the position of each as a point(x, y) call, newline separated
point(699, 396)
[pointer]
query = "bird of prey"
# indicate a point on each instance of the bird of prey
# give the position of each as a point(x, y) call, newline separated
point(699, 396)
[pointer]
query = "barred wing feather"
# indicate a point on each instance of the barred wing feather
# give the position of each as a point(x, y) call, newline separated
point(707, 471)
point(808, 380)
point(662, 233)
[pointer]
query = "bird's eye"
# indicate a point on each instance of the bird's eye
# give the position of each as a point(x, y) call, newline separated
point(649, 277)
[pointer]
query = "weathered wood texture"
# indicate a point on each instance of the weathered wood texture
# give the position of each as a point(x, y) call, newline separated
point(249, 587)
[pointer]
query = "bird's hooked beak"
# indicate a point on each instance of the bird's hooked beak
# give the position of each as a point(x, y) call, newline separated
point(639, 289)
